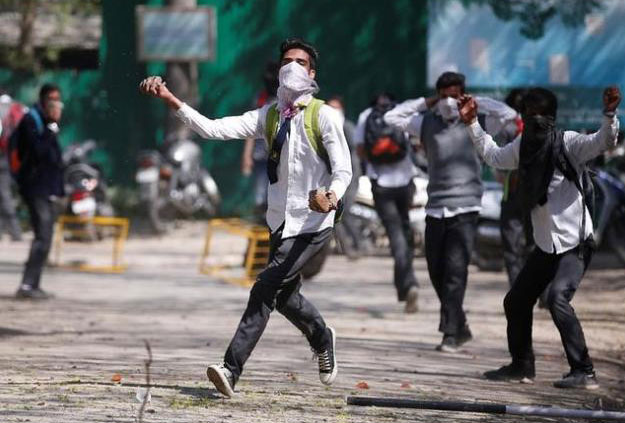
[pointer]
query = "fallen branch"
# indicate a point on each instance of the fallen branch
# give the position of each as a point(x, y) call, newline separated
point(148, 382)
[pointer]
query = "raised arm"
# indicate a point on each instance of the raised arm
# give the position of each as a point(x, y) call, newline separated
point(407, 116)
point(584, 147)
point(506, 157)
point(247, 125)
point(497, 114)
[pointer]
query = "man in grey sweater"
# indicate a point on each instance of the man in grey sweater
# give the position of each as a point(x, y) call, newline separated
point(454, 192)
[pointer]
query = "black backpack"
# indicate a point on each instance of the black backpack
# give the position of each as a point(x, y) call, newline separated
point(383, 143)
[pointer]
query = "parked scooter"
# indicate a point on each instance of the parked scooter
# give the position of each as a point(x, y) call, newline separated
point(174, 184)
point(86, 191)
point(85, 185)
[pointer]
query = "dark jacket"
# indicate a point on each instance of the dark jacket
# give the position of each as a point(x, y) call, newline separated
point(41, 174)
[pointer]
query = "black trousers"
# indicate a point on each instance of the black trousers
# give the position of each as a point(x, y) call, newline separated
point(393, 208)
point(448, 247)
point(42, 217)
point(563, 273)
point(277, 287)
point(516, 236)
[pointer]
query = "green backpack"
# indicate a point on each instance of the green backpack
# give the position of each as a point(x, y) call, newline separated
point(313, 133)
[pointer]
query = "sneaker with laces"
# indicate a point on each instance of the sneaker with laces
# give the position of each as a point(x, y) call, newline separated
point(412, 298)
point(512, 373)
point(449, 344)
point(222, 378)
point(328, 368)
point(578, 380)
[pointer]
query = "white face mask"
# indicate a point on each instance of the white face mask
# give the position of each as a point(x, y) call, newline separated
point(448, 109)
point(294, 83)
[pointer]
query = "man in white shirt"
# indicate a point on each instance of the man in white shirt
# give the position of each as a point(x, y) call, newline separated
point(387, 153)
point(552, 186)
point(454, 193)
point(309, 170)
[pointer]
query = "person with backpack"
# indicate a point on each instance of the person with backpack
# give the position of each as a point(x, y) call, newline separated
point(36, 163)
point(11, 113)
point(454, 193)
point(556, 190)
point(387, 154)
point(309, 170)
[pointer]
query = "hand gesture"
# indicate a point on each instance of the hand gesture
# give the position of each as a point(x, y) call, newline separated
point(611, 98)
point(154, 86)
point(322, 201)
point(467, 108)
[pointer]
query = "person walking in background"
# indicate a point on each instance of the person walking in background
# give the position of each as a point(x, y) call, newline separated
point(346, 232)
point(309, 170)
point(390, 168)
point(11, 112)
point(454, 193)
point(37, 164)
point(553, 187)
point(254, 157)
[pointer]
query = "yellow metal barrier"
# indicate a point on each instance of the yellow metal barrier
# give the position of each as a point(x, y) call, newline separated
point(121, 235)
point(256, 256)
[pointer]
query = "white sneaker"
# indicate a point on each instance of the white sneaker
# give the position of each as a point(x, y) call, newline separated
point(328, 368)
point(222, 378)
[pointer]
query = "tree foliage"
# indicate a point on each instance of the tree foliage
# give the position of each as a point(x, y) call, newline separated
point(23, 56)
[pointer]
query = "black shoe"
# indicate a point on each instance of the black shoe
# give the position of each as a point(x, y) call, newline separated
point(512, 373)
point(449, 344)
point(464, 335)
point(328, 368)
point(578, 380)
point(29, 293)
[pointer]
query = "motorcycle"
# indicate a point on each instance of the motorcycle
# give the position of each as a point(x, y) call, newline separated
point(610, 206)
point(174, 184)
point(85, 186)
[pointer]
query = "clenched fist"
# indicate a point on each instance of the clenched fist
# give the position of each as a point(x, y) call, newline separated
point(611, 99)
point(156, 87)
point(322, 201)
point(467, 107)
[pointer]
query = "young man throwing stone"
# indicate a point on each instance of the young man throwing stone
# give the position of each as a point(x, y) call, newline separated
point(309, 169)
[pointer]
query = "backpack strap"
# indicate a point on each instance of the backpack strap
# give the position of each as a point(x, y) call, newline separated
point(38, 120)
point(313, 132)
point(272, 121)
point(563, 163)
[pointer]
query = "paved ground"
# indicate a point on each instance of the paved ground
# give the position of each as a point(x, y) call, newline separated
point(58, 358)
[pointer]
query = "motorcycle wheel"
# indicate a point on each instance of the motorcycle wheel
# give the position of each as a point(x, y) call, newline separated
point(315, 264)
point(616, 235)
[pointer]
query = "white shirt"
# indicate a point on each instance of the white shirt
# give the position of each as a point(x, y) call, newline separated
point(556, 223)
point(408, 116)
point(391, 175)
point(300, 170)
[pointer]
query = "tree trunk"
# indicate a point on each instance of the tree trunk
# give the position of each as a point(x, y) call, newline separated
point(181, 79)
point(25, 46)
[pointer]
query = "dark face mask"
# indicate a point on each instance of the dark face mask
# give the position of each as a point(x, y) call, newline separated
point(537, 128)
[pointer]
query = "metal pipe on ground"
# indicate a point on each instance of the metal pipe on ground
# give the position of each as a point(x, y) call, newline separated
point(476, 407)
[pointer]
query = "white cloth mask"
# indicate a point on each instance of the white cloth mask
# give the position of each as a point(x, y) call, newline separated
point(294, 83)
point(448, 109)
